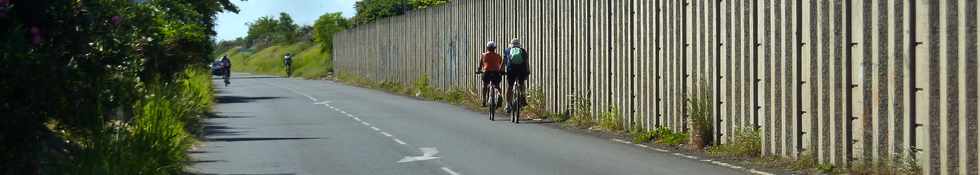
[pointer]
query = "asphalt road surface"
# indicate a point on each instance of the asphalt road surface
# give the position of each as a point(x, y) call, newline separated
point(272, 125)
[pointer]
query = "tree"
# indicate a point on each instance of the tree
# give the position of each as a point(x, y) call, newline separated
point(421, 4)
point(268, 30)
point(370, 10)
point(287, 29)
point(326, 26)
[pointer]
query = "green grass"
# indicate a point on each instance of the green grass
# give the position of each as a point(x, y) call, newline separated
point(581, 114)
point(746, 143)
point(666, 136)
point(154, 141)
point(310, 61)
point(610, 120)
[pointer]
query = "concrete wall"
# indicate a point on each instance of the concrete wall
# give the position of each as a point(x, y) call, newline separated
point(845, 80)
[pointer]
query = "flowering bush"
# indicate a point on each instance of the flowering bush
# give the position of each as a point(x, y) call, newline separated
point(74, 66)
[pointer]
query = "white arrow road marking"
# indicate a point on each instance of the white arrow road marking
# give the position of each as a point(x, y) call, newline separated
point(427, 154)
point(450, 171)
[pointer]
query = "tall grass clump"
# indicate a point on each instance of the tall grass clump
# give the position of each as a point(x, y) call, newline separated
point(699, 112)
point(154, 140)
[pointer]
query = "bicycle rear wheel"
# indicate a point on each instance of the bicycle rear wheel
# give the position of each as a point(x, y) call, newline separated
point(492, 104)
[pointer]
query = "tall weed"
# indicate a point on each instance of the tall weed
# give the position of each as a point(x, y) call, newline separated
point(610, 120)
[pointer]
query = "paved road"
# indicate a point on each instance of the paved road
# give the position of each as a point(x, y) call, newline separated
point(270, 125)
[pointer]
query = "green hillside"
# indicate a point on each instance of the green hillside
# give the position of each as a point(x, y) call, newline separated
point(310, 61)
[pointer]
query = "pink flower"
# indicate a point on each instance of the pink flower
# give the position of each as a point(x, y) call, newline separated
point(115, 19)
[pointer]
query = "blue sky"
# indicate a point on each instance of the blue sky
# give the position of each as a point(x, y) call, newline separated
point(304, 12)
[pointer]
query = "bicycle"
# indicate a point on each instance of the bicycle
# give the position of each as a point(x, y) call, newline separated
point(492, 98)
point(517, 102)
point(227, 76)
point(289, 70)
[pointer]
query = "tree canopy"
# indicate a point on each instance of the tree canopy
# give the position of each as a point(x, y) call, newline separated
point(269, 30)
point(370, 10)
point(328, 25)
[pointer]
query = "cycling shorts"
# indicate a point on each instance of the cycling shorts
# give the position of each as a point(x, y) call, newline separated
point(493, 77)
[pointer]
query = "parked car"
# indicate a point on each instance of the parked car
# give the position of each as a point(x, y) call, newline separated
point(216, 68)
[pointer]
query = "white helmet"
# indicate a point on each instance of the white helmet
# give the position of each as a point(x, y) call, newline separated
point(491, 44)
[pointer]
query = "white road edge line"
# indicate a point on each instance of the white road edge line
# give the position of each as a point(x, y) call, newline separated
point(375, 128)
point(386, 134)
point(358, 119)
point(759, 172)
point(365, 123)
point(621, 141)
point(450, 171)
point(399, 141)
point(661, 150)
point(642, 145)
point(726, 165)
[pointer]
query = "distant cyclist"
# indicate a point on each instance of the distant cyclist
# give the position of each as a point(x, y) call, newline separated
point(516, 62)
point(226, 69)
point(288, 63)
point(490, 66)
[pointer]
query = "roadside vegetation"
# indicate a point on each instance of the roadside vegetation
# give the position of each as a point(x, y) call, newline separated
point(103, 87)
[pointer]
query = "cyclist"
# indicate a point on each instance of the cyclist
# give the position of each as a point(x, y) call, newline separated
point(288, 62)
point(516, 62)
point(226, 69)
point(490, 66)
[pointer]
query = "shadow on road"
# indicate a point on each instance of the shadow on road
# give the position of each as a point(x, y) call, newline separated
point(249, 77)
point(259, 139)
point(213, 129)
point(241, 99)
point(251, 174)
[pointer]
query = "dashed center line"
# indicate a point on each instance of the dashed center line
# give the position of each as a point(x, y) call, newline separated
point(399, 141)
point(365, 123)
